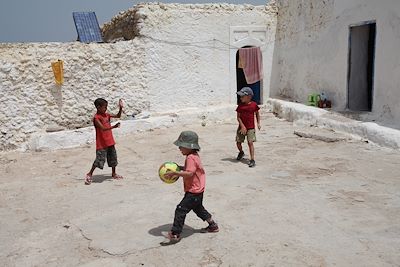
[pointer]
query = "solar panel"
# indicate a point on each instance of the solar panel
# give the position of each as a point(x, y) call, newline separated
point(87, 27)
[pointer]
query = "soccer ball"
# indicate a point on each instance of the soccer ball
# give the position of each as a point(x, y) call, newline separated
point(168, 167)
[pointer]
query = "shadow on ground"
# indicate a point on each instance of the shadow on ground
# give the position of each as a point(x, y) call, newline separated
point(164, 229)
point(234, 160)
point(101, 178)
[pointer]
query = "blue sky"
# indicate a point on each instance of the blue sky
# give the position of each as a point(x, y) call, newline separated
point(51, 20)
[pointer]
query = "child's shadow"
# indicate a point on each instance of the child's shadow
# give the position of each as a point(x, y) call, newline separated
point(101, 178)
point(164, 229)
point(234, 160)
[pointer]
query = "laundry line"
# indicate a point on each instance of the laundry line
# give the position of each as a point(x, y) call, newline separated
point(199, 44)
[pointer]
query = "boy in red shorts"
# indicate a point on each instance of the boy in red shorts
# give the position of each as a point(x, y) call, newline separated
point(245, 116)
point(104, 139)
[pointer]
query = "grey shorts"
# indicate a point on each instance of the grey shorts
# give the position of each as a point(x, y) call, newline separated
point(110, 153)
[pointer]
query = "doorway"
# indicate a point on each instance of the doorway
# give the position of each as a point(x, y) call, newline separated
point(241, 82)
point(361, 66)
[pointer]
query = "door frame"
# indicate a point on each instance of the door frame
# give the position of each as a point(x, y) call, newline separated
point(260, 93)
point(363, 23)
point(241, 36)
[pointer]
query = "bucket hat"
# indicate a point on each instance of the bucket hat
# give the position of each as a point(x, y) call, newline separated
point(188, 139)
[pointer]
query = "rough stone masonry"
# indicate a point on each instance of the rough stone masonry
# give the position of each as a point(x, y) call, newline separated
point(159, 71)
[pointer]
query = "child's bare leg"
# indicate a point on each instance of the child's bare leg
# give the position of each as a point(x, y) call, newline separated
point(251, 148)
point(92, 170)
point(88, 178)
point(252, 163)
point(239, 146)
point(114, 174)
point(241, 153)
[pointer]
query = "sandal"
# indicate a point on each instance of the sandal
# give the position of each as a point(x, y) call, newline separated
point(171, 239)
point(212, 228)
point(88, 179)
point(117, 177)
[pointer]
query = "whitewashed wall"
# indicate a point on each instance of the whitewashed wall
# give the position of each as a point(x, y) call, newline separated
point(31, 102)
point(311, 52)
point(189, 51)
point(173, 63)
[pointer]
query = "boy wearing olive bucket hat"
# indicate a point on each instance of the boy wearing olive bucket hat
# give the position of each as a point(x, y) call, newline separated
point(194, 180)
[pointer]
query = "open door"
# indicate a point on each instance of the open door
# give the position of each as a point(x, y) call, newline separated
point(361, 67)
point(241, 82)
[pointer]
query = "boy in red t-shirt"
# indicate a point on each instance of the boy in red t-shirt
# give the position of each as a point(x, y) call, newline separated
point(104, 139)
point(194, 181)
point(245, 116)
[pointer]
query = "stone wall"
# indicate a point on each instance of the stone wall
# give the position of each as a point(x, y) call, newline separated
point(32, 102)
point(178, 58)
point(188, 51)
point(311, 52)
point(124, 26)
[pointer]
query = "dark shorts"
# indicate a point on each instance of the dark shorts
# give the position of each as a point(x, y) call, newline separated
point(101, 154)
point(189, 202)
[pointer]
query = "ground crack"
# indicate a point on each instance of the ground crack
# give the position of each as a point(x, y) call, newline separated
point(101, 250)
point(82, 233)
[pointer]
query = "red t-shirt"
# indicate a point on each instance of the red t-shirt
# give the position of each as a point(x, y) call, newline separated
point(246, 113)
point(104, 139)
point(197, 182)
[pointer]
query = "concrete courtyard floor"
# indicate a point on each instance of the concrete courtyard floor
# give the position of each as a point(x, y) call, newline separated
point(306, 203)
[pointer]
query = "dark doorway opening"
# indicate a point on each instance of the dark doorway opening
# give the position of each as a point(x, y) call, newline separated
point(241, 82)
point(361, 67)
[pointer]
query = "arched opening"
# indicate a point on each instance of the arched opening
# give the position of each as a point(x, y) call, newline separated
point(241, 82)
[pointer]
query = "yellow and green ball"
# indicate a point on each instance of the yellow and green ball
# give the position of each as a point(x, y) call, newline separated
point(168, 167)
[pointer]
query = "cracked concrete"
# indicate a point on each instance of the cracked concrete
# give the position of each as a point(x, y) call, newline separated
point(321, 135)
point(307, 203)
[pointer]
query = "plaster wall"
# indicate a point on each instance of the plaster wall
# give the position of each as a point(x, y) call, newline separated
point(179, 58)
point(311, 52)
point(189, 50)
point(32, 102)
